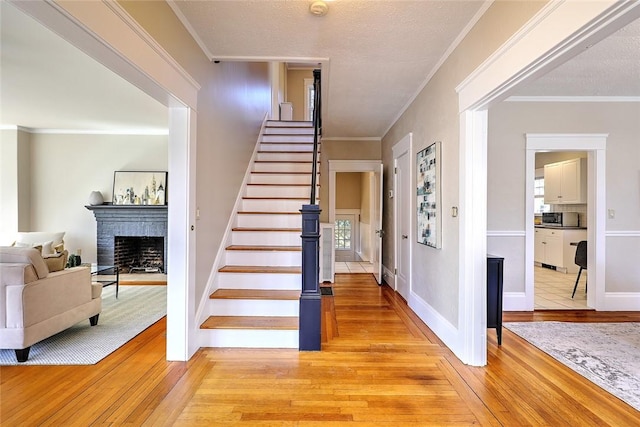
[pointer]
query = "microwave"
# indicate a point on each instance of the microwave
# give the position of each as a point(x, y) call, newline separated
point(560, 219)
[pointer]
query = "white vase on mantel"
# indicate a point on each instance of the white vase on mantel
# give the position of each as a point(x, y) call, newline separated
point(95, 198)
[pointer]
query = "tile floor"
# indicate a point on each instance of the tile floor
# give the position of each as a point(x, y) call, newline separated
point(553, 290)
point(353, 267)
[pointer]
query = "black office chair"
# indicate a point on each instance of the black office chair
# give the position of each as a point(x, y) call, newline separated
point(580, 260)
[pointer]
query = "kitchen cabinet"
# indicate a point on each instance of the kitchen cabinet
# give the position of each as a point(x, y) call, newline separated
point(566, 182)
point(553, 247)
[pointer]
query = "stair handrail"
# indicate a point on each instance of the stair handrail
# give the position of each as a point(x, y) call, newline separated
point(317, 131)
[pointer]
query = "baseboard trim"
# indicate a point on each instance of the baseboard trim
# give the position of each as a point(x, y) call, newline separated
point(621, 301)
point(448, 333)
point(514, 301)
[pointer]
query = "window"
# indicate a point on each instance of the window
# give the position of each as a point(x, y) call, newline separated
point(538, 197)
point(343, 234)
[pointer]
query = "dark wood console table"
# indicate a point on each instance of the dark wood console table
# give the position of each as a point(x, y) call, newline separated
point(494, 294)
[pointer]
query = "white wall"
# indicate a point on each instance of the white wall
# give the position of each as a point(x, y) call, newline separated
point(232, 102)
point(66, 168)
point(508, 122)
point(434, 116)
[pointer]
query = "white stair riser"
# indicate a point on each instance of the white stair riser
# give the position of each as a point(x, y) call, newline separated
point(287, 138)
point(288, 123)
point(277, 178)
point(282, 167)
point(280, 191)
point(308, 148)
point(288, 131)
point(270, 221)
point(273, 205)
point(291, 282)
point(264, 258)
point(240, 307)
point(277, 238)
point(286, 157)
point(249, 338)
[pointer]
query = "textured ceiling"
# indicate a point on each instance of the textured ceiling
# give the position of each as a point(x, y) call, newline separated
point(609, 68)
point(379, 52)
point(46, 83)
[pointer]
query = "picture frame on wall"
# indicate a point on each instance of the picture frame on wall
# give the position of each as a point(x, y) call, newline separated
point(428, 195)
point(140, 188)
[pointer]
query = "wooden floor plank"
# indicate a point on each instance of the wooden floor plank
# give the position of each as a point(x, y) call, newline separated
point(380, 365)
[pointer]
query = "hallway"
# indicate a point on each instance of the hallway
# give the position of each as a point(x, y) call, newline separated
point(380, 365)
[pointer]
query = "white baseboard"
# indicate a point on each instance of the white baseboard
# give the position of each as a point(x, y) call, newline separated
point(621, 301)
point(448, 333)
point(388, 277)
point(514, 301)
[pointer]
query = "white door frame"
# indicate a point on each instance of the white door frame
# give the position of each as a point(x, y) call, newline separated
point(558, 32)
point(405, 145)
point(595, 145)
point(107, 33)
point(336, 166)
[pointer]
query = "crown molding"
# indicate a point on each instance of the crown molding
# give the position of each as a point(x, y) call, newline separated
point(573, 99)
point(474, 20)
point(187, 25)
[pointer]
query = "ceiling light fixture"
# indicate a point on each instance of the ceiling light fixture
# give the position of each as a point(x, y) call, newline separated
point(318, 8)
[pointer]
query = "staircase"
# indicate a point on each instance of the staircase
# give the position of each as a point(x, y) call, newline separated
point(256, 302)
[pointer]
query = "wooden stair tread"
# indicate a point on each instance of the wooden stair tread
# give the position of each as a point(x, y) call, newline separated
point(276, 198)
point(288, 142)
point(260, 269)
point(284, 173)
point(286, 152)
point(284, 185)
point(250, 322)
point(267, 213)
point(286, 161)
point(266, 229)
point(264, 248)
point(268, 294)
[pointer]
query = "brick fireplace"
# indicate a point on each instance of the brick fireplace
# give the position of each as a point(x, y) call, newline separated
point(139, 229)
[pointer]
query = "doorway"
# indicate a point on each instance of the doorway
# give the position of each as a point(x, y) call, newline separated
point(594, 146)
point(555, 270)
point(356, 185)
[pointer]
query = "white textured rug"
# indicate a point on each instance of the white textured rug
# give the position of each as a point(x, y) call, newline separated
point(607, 354)
point(136, 308)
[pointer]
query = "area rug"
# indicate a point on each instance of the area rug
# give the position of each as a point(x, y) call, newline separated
point(136, 308)
point(604, 353)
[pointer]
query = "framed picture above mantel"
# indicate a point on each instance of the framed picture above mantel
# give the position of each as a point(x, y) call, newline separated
point(140, 188)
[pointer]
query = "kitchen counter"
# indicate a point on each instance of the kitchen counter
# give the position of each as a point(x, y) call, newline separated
point(553, 227)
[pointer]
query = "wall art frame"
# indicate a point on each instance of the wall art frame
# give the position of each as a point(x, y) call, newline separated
point(140, 188)
point(428, 194)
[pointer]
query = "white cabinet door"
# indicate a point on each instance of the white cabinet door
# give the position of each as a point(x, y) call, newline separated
point(553, 183)
point(553, 249)
point(566, 182)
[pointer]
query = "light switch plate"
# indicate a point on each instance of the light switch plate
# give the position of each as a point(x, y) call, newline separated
point(611, 213)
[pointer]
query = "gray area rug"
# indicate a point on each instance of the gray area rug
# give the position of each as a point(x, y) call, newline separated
point(607, 354)
point(136, 308)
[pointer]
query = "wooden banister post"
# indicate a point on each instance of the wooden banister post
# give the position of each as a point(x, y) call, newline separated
point(310, 298)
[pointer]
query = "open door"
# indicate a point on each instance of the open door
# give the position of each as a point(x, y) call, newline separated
point(376, 220)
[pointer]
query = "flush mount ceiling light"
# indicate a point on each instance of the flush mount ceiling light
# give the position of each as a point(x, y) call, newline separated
point(318, 8)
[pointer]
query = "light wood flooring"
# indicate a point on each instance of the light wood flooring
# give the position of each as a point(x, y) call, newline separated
point(380, 366)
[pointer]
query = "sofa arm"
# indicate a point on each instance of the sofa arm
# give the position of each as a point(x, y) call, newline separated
point(37, 301)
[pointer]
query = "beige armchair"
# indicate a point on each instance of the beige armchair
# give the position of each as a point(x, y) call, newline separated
point(36, 304)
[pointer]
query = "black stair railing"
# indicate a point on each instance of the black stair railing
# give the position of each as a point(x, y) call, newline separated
point(310, 298)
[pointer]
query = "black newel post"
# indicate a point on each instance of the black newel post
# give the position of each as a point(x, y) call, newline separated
point(310, 310)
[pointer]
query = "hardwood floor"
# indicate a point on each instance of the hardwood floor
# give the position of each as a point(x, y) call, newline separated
point(379, 366)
